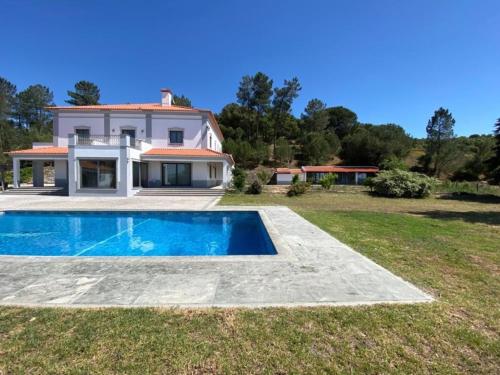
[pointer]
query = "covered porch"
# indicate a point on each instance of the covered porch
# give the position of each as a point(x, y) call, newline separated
point(170, 169)
point(39, 157)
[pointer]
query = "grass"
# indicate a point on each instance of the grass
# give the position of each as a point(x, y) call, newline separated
point(447, 247)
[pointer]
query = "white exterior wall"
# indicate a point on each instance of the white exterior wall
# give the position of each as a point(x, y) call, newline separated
point(216, 141)
point(161, 124)
point(286, 179)
point(119, 121)
point(61, 173)
point(68, 122)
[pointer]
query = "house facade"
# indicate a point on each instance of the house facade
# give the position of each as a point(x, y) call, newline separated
point(116, 150)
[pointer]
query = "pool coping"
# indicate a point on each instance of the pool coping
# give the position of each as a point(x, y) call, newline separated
point(283, 251)
point(312, 268)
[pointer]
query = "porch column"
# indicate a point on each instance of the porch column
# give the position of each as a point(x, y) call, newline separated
point(355, 178)
point(38, 173)
point(16, 172)
point(225, 174)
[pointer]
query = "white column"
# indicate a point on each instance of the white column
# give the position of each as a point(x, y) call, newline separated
point(16, 172)
point(356, 178)
point(38, 176)
point(225, 174)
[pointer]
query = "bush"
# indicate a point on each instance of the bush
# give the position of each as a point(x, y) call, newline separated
point(255, 187)
point(328, 180)
point(295, 179)
point(26, 175)
point(393, 163)
point(239, 178)
point(298, 188)
point(264, 175)
point(402, 184)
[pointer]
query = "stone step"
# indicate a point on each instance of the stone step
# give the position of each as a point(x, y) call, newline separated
point(181, 192)
point(36, 191)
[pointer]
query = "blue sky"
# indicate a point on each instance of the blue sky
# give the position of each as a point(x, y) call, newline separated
point(388, 60)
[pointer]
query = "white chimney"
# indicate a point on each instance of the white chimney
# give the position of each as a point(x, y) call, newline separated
point(166, 97)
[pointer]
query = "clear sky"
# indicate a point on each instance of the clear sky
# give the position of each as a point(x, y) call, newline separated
point(388, 60)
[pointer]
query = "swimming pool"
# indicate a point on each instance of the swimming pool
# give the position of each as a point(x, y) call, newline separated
point(151, 233)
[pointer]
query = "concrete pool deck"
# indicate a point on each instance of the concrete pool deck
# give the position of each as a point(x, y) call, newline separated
point(312, 268)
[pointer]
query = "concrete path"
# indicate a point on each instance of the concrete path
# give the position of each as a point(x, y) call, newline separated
point(311, 268)
point(35, 202)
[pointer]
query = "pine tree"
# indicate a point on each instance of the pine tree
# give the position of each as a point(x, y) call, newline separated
point(439, 133)
point(86, 93)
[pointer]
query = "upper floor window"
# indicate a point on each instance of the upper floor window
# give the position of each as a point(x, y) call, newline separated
point(210, 142)
point(176, 136)
point(82, 132)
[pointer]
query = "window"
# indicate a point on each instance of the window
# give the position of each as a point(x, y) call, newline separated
point(210, 141)
point(98, 174)
point(131, 134)
point(176, 136)
point(82, 132)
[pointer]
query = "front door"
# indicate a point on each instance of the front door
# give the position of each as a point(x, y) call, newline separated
point(131, 133)
point(176, 174)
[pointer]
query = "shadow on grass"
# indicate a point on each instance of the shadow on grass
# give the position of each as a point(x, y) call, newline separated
point(471, 197)
point(485, 217)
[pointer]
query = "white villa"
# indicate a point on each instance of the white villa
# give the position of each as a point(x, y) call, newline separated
point(118, 149)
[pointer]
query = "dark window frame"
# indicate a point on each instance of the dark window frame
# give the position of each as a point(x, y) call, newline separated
point(178, 138)
point(98, 168)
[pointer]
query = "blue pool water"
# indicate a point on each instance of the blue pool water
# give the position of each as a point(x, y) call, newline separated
point(133, 233)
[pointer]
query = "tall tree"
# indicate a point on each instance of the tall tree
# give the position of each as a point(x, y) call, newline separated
point(282, 104)
point(342, 121)
point(316, 149)
point(371, 144)
point(182, 101)
point(315, 116)
point(30, 108)
point(86, 93)
point(254, 93)
point(7, 98)
point(439, 133)
point(495, 160)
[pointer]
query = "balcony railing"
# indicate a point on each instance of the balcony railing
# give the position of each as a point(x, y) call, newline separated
point(107, 140)
point(98, 140)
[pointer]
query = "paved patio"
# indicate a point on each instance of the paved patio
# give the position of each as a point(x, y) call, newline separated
point(44, 202)
point(311, 268)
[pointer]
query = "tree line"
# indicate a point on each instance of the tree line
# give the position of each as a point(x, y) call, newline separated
point(260, 129)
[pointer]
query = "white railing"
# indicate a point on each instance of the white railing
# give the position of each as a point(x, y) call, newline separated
point(98, 140)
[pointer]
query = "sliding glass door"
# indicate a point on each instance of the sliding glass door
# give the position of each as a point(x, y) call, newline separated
point(100, 174)
point(176, 174)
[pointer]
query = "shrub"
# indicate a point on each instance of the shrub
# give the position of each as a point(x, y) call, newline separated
point(295, 179)
point(264, 175)
point(328, 180)
point(239, 178)
point(402, 184)
point(298, 188)
point(26, 175)
point(255, 187)
point(393, 163)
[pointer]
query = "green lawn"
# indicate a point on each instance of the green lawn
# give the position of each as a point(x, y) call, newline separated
point(447, 247)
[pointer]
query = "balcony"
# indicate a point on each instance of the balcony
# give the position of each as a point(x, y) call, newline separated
point(123, 140)
point(97, 140)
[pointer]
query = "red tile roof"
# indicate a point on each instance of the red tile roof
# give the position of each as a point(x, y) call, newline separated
point(288, 171)
point(41, 151)
point(188, 152)
point(338, 168)
point(146, 107)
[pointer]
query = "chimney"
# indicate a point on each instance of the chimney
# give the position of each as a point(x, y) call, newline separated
point(166, 97)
